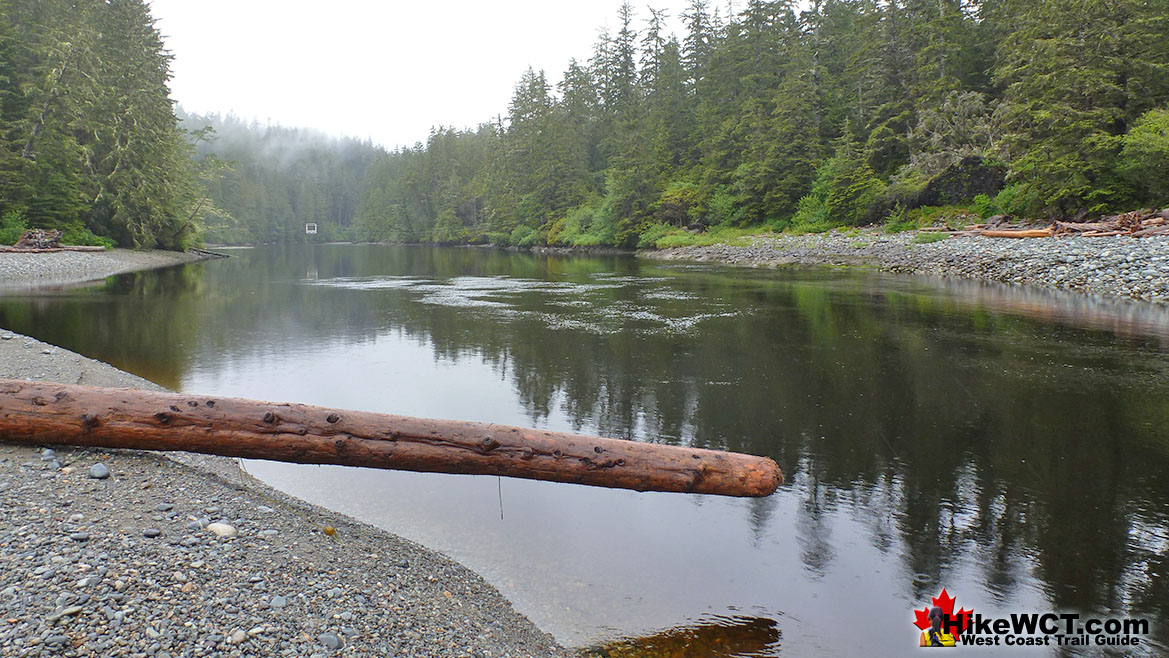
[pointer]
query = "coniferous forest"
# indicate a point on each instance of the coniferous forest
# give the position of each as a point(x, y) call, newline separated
point(784, 115)
point(845, 113)
point(89, 142)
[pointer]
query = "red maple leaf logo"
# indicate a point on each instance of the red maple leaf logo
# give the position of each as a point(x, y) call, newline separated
point(946, 603)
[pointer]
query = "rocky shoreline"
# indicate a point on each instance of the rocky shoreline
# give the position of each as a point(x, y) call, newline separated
point(34, 270)
point(124, 553)
point(1118, 266)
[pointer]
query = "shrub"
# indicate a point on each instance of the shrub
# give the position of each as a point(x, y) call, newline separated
point(77, 235)
point(927, 238)
point(13, 224)
point(1145, 155)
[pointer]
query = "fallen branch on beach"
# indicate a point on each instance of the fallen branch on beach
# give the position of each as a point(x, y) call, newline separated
point(1138, 224)
point(56, 414)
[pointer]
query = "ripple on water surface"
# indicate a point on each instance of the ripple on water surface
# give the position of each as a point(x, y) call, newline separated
point(606, 305)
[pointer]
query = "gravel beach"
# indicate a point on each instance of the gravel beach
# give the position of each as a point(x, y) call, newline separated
point(123, 553)
point(1118, 266)
point(58, 268)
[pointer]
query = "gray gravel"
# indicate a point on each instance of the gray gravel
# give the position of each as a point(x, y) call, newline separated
point(69, 267)
point(139, 563)
point(1118, 266)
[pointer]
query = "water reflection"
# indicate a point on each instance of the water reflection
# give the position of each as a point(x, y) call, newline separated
point(1008, 444)
point(719, 637)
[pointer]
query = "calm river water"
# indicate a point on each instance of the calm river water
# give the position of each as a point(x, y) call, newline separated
point(1009, 445)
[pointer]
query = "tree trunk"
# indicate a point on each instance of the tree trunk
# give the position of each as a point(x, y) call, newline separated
point(56, 414)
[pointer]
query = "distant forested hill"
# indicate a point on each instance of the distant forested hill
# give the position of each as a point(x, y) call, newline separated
point(807, 116)
point(274, 180)
point(88, 140)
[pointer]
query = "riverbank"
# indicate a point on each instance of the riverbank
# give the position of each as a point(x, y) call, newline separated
point(129, 564)
point(31, 270)
point(1118, 266)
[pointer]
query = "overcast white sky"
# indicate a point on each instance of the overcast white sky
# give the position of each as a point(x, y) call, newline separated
point(386, 70)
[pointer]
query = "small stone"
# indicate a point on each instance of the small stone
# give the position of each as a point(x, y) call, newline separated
point(222, 529)
point(55, 640)
point(179, 577)
point(164, 507)
point(79, 536)
point(99, 471)
point(238, 637)
point(330, 640)
point(151, 533)
point(7, 337)
point(269, 532)
point(278, 602)
point(189, 587)
point(48, 455)
point(67, 612)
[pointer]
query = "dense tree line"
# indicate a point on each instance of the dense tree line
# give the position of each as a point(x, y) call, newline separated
point(270, 180)
point(89, 142)
point(838, 114)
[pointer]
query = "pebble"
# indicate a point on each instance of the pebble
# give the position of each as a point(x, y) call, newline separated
point(330, 640)
point(99, 471)
point(278, 602)
point(79, 536)
point(223, 529)
point(151, 533)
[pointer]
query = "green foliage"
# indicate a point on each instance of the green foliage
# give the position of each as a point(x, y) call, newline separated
point(79, 235)
point(581, 227)
point(984, 206)
point(853, 187)
point(1074, 77)
point(812, 214)
point(1144, 159)
point(13, 224)
point(653, 233)
point(928, 238)
point(680, 204)
point(723, 208)
point(1018, 200)
point(899, 221)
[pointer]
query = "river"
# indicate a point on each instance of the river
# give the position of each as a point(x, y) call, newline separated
point(1008, 444)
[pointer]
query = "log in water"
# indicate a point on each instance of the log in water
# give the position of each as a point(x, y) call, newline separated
point(58, 414)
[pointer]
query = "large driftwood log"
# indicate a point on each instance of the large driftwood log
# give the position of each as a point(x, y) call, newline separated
point(57, 414)
point(1019, 233)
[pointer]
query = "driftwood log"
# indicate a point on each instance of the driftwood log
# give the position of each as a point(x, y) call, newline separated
point(56, 414)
